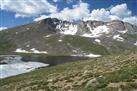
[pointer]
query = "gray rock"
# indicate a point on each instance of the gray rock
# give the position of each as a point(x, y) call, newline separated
point(93, 82)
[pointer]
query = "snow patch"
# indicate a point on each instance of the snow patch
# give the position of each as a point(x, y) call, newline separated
point(28, 28)
point(60, 40)
point(97, 40)
point(89, 27)
point(100, 30)
point(16, 32)
point(33, 50)
point(38, 52)
point(86, 35)
point(21, 50)
point(27, 45)
point(7, 70)
point(96, 32)
point(71, 29)
point(135, 43)
point(67, 29)
point(48, 35)
point(123, 32)
point(118, 38)
point(75, 51)
point(90, 55)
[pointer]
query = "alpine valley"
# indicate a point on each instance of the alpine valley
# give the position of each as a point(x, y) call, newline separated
point(103, 56)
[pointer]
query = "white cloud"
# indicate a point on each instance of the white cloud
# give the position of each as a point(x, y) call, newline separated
point(76, 13)
point(81, 11)
point(132, 20)
point(41, 17)
point(121, 11)
point(28, 8)
point(2, 28)
point(114, 17)
point(25, 8)
point(99, 15)
point(118, 12)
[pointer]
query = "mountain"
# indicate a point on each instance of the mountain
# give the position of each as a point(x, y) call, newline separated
point(52, 36)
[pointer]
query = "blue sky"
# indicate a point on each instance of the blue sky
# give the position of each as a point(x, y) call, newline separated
point(12, 14)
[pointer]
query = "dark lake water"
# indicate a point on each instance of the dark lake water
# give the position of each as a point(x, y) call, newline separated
point(55, 60)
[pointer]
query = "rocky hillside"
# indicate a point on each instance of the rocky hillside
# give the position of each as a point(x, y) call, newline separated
point(55, 37)
point(110, 73)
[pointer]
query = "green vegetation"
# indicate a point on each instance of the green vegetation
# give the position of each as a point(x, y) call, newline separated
point(6, 47)
point(109, 73)
point(86, 44)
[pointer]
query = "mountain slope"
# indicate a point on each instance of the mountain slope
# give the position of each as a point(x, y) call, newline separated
point(55, 37)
